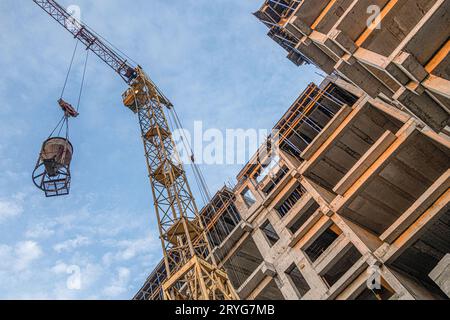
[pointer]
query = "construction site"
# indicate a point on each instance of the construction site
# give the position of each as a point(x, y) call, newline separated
point(348, 197)
point(357, 185)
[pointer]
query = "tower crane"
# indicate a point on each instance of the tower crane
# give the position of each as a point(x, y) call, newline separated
point(192, 273)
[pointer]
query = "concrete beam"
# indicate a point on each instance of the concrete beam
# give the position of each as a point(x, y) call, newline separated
point(437, 85)
point(410, 66)
point(363, 240)
point(298, 27)
point(343, 41)
point(424, 107)
point(315, 54)
point(363, 78)
point(365, 162)
point(390, 110)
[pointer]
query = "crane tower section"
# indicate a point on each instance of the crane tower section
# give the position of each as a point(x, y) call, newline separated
point(192, 273)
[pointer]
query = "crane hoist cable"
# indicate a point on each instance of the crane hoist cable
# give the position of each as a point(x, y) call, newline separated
point(68, 109)
point(69, 70)
point(83, 80)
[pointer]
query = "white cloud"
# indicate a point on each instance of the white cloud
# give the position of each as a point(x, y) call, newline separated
point(89, 272)
point(20, 257)
point(39, 232)
point(9, 209)
point(26, 253)
point(69, 245)
point(129, 249)
point(119, 284)
point(60, 268)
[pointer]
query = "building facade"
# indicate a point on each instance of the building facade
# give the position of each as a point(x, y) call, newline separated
point(349, 199)
point(351, 203)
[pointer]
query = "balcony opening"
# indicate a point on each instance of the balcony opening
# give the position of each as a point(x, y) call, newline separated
point(270, 174)
point(309, 115)
point(270, 292)
point(220, 216)
point(290, 201)
point(303, 216)
point(267, 168)
point(342, 266)
point(296, 277)
point(385, 293)
point(248, 197)
point(275, 179)
point(243, 262)
point(422, 256)
point(270, 233)
point(227, 222)
point(323, 242)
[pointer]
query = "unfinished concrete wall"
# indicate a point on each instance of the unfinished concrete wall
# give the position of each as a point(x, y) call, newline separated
point(353, 198)
point(405, 60)
point(357, 196)
point(355, 204)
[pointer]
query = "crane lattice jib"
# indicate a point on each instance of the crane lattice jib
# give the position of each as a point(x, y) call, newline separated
point(94, 43)
point(88, 38)
point(191, 270)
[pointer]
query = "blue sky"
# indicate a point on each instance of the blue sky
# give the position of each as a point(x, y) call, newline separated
point(211, 58)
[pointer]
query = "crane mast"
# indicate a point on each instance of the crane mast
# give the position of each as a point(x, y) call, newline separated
point(192, 273)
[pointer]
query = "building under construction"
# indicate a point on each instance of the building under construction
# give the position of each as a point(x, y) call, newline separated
point(351, 201)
